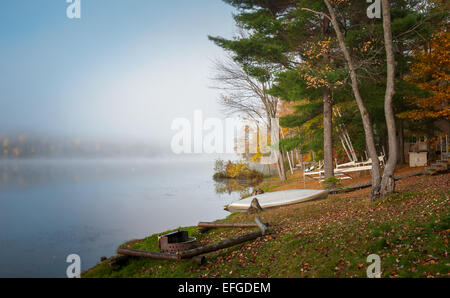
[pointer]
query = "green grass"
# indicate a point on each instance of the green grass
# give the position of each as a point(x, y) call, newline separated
point(269, 188)
point(329, 238)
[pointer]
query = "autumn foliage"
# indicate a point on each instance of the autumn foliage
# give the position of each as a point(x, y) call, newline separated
point(430, 72)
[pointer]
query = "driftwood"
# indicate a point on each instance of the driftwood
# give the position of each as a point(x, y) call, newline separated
point(147, 254)
point(228, 225)
point(196, 252)
point(126, 254)
point(226, 243)
point(203, 230)
point(117, 260)
point(200, 259)
point(191, 253)
point(206, 226)
point(187, 254)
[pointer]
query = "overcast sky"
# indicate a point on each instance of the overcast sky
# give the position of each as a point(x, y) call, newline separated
point(127, 68)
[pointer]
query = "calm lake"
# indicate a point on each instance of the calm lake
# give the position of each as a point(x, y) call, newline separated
point(53, 208)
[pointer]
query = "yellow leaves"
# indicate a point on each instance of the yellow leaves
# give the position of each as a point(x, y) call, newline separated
point(314, 50)
point(256, 157)
point(313, 69)
point(366, 47)
point(315, 82)
point(233, 170)
point(337, 2)
point(419, 114)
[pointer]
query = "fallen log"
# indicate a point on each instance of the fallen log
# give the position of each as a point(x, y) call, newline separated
point(369, 184)
point(203, 230)
point(147, 254)
point(351, 188)
point(196, 252)
point(192, 253)
point(187, 254)
point(206, 226)
point(228, 225)
point(126, 253)
point(410, 175)
point(200, 260)
point(117, 260)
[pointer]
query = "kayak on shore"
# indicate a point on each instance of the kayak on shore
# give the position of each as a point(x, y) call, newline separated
point(278, 199)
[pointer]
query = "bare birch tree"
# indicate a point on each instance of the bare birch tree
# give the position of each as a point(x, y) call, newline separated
point(246, 95)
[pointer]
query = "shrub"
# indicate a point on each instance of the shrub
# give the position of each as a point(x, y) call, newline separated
point(234, 170)
point(219, 176)
point(238, 170)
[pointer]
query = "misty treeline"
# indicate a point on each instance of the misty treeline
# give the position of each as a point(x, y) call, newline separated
point(352, 72)
point(22, 146)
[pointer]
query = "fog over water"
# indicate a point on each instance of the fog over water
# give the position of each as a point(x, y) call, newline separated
point(86, 108)
point(53, 208)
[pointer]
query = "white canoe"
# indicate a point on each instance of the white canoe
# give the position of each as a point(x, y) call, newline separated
point(279, 198)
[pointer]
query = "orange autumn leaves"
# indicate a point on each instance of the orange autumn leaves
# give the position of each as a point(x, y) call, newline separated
point(313, 69)
point(430, 72)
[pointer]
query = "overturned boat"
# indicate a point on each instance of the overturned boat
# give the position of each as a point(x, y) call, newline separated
point(278, 199)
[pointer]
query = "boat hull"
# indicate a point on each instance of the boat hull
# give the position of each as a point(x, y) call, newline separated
point(279, 199)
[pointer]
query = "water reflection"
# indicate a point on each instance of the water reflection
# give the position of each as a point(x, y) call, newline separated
point(230, 186)
point(52, 208)
point(22, 174)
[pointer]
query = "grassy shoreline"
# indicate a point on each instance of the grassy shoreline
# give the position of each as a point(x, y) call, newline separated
point(328, 238)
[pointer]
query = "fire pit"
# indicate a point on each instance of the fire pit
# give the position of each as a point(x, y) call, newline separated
point(176, 242)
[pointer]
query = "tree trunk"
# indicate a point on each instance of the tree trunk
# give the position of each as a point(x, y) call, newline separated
point(280, 175)
point(367, 122)
point(282, 170)
point(388, 182)
point(401, 144)
point(327, 117)
point(280, 159)
point(328, 134)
